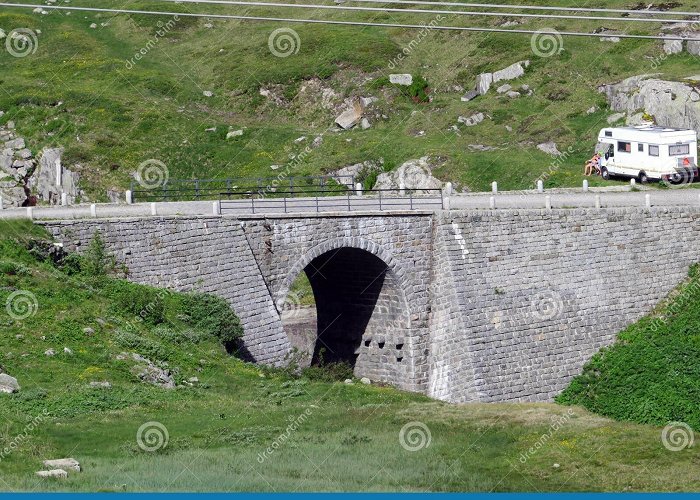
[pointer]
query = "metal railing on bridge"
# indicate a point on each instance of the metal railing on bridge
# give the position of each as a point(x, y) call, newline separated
point(268, 187)
point(237, 202)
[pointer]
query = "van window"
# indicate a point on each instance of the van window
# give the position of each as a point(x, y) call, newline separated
point(679, 150)
point(608, 133)
point(653, 150)
point(624, 147)
point(640, 147)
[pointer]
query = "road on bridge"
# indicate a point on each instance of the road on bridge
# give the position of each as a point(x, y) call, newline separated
point(560, 199)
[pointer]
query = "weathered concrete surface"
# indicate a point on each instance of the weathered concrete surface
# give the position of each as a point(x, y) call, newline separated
point(474, 305)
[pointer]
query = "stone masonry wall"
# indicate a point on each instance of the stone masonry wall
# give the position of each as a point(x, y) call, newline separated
point(537, 293)
point(203, 254)
point(503, 305)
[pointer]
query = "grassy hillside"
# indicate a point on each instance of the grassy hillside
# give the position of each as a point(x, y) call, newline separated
point(242, 427)
point(651, 375)
point(80, 91)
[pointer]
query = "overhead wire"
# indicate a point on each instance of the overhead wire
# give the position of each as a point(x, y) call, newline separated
point(340, 23)
point(421, 11)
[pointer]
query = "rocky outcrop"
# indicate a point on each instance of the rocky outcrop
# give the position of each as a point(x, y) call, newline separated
point(358, 171)
point(414, 174)
point(24, 181)
point(672, 104)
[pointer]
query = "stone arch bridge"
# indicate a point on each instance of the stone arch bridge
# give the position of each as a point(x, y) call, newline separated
point(463, 306)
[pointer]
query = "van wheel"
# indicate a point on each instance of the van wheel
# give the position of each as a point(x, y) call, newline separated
point(605, 174)
point(642, 178)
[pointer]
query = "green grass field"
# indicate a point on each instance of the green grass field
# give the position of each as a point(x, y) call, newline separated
point(83, 90)
point(244, 427)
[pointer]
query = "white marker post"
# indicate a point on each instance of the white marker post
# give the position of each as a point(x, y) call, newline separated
point(129, 197)
point(492, 203)
point(494, 187)
point(585, 185)
point(633, 182)
point(647, 200)
point(64, 199)
point(540, 186)
point(93, 210)
point(30, 214)
point(153, 209)
point(358, 189)
point(548, 202)
point(216, 208)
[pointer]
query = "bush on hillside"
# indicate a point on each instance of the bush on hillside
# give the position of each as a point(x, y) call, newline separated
point(651, 375)
point(213, 315)
point(142, 302)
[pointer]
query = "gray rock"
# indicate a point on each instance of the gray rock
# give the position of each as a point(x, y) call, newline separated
point(365, 381)
point(366, 102)
point(15, 144)
point(342, 175)
point(364, 123)
point(350, 117)
point(469, 96)
point(25, 153)
point(483, 83)
point(504, 88)
point(401, 79)
point(511, 72)
point(63, 463)
point(317, 142)
point(472, 120)
point(413, 174)
point(148, 372)
point(513, 94)
point(693, 47)
point(88, 331)
point(591, 110)
point(234, 133)
point(549, 147)
point(55, 474)
point(207, 93)
point(193, 380)
point(673, 47)
point(348, 381)
point(615, 117)
point(670, 103)
point(44, 180)
point(8, 384)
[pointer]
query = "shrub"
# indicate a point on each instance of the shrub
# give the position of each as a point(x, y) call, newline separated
point(96, 261)
point(140, 301)
point(212, 315)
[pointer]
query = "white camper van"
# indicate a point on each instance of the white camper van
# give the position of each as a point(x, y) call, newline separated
point(649, 152)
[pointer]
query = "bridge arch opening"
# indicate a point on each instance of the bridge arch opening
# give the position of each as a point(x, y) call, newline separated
point(359, 314)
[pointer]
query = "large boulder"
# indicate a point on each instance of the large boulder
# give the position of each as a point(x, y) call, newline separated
point(485, 80)
point(401, 79)
point(414, 174)
point(8, 384)
point(63, 463)
point(672, 104)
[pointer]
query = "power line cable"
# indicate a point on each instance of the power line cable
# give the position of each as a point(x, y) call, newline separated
point(532, 7)
point(425, 11)
point(341, 23)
